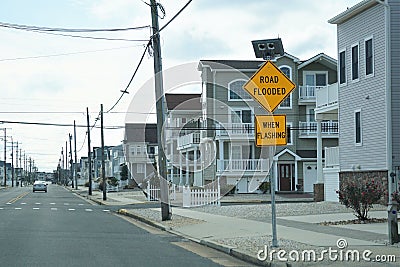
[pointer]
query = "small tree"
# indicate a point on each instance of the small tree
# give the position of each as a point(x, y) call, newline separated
point(360, 196)
point(124, 172)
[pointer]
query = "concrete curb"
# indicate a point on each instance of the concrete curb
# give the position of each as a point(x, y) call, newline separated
point(144, 220)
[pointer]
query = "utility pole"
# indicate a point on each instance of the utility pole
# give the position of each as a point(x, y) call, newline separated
point(76, 160)
point(30, 169)
point(160, 106)
point(71, 161)
point(89, 158)
point(16, 163)
point(12, 162)
point(66, 163)
point(103, 164)
point(20, 164)
point(5, 157)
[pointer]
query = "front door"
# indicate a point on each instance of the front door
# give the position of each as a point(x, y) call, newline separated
point(286, 177)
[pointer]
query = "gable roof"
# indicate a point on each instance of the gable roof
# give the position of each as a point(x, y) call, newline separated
point(353, 11)
point(321, 58)
point(141, 132)
point(230, 64)
point(183, 101)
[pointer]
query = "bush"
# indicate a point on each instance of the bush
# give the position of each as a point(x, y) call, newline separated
point(265, 187)
point(360, 196)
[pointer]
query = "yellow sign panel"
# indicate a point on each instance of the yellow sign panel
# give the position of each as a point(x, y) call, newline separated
point(269, 86)
point(270, 130)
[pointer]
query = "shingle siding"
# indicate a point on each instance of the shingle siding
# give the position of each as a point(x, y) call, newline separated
point(367, 94)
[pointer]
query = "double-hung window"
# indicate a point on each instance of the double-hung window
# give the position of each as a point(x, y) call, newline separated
point(287, 103)
point(354, 62)
point(236, 91)
point(342, 67)
point(369, 57)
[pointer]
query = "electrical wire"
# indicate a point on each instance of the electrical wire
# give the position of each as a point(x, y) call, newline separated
point(92, 37)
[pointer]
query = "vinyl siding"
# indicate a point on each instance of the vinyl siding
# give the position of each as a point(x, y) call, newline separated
point(395, 62)
point(371, 155)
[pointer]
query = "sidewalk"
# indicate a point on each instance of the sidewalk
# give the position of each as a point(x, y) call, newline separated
point(244, 231)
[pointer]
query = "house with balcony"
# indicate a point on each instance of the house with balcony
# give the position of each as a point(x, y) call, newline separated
point(117, 160)
point(228, 119)
point(182, 139)
point(368, 38)
point(140, 147)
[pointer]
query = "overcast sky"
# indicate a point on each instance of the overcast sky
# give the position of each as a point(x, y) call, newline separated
point(52, 79)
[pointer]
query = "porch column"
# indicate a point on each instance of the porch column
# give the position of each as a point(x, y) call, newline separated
point(221, 156)
point(320, 178)
point(180, 169)
point(296, 182)
point(194, 164)
point(275, 176)
point(187, 168)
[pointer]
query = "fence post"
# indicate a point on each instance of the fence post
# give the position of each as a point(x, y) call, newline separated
point(148, 191)
point(186, 196)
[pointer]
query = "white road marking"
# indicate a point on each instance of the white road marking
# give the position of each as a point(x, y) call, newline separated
point(38, 203)
point(23, 203)
point(106, 210)
point(80, 204)
point(18, 208)
point(1, 208)
point(8, 203)
point(36, 208)
point(71, 209)
point(53, 208)
point(88, 210)
point(52, 203)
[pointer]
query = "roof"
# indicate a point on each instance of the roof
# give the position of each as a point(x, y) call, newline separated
point(353, 11)
point(183, 101)
point(231, 64)
point(321, 58)
point(141, 132)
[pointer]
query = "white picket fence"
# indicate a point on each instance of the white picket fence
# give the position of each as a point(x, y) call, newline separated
point(153, 192)
point(190, 197)
point(201, 197)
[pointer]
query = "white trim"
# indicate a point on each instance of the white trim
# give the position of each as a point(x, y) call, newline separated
point(291, 133)
point(243, 91)
point(361, 130)
point(358, 61)
point(338, 70)
point(287, 150)
point(290, 95)
point(371, 37)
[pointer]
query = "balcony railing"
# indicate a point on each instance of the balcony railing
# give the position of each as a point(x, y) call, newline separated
point(331, 157)
point(236, 129)
point(188, 140)
point(307, 92)
point(240, 165)
point(327, 96)
point(310, 128)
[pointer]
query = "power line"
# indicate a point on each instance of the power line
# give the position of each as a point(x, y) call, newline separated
point(92, 37)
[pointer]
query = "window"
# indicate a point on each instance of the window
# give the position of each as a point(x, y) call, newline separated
point(342, 67)
point(140, 168)
point(287, 103)
point(236, 91)
point(354, 62)
point(289, 134)
point(241, 116)
point(358, 129)
point(138, 150)
point(369, 57)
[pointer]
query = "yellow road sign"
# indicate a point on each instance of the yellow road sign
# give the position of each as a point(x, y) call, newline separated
point(269, 86)
point(270, 130)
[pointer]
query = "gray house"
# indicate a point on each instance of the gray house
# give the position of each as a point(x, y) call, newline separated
point(228, 115)
point(368, 36)
point(140, 148)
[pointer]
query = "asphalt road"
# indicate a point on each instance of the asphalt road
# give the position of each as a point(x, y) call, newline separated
point(59, 228)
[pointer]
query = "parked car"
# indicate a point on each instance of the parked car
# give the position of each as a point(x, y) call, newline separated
point(40, 186)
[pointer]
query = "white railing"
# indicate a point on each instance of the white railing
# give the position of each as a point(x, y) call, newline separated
point(153, 192)
point(240, 165)
point(236, 129)
point(201, 197)
point(189, 139)
point(307, 92)
point(327, 128)
point(331, 157)
point(327, 95)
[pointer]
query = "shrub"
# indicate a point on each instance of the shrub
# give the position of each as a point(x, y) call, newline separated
point(360, 196)
point(265, 187)
point(396, 196)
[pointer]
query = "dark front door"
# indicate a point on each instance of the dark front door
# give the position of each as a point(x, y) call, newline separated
point(285, 177)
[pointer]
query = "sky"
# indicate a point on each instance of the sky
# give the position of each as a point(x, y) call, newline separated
point(52, 79)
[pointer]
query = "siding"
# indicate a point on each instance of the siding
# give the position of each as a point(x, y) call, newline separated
point(395, 62)
point(371, 155)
